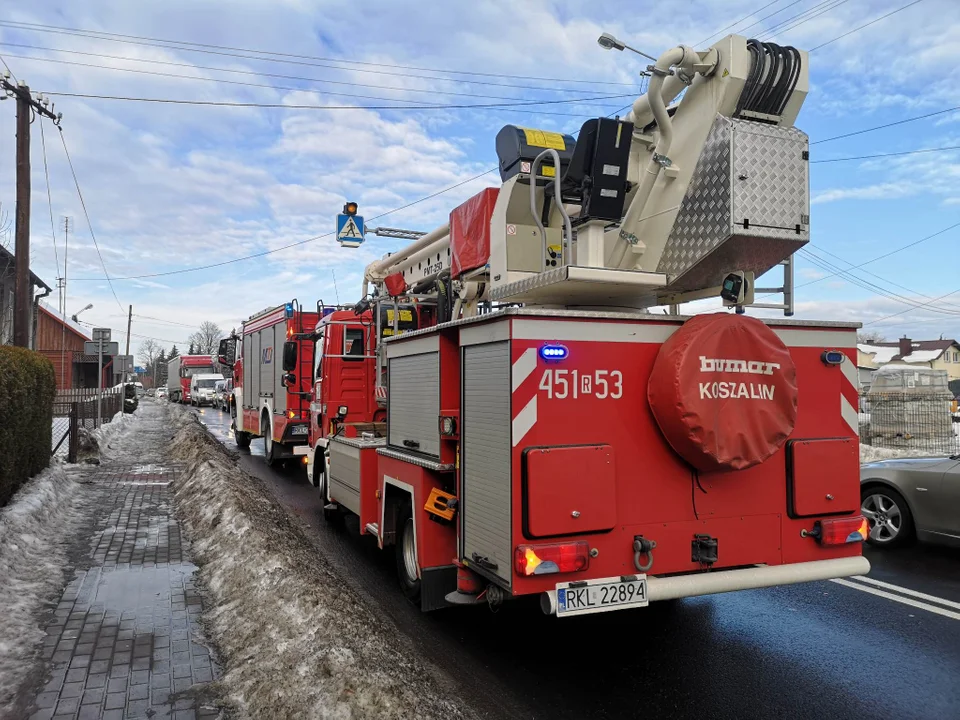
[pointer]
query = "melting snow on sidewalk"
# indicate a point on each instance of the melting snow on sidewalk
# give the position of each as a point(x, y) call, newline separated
point(34, 530)
point(294, 640)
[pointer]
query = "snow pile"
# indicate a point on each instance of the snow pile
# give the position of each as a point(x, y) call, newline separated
point(108, 437)
point(294, 640)
point(34, 529)
point(870, 454)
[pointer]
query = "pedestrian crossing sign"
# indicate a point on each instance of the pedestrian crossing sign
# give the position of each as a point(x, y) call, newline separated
point(349, 230)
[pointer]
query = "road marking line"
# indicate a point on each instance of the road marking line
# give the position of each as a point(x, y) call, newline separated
point(907, 591)
point(897, 598)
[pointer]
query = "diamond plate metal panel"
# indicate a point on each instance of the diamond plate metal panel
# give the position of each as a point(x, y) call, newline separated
point(703, 221)
point(747, 171)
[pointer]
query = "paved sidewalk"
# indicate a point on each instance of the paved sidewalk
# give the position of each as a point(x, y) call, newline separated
point(124, 640)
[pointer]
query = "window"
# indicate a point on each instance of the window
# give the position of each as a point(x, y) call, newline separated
point(318, 356)
point(956, 356)
point(353, 343)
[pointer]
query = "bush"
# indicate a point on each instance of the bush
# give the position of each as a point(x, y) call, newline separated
point(28, 387)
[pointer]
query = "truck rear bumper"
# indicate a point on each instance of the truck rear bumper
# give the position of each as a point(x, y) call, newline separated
point(680, 586)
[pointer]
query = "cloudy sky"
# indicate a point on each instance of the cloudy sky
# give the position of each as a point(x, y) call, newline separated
point(172, 186)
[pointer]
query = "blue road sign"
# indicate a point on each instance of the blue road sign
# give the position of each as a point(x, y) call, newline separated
point(349, 230)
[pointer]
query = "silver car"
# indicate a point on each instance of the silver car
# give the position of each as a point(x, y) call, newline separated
point(911, 498)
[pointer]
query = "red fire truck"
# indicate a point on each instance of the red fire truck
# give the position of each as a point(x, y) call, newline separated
point(503, 408)
point(179, 371)
point(272, 361)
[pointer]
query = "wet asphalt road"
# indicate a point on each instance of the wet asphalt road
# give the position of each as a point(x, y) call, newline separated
point(816, 650)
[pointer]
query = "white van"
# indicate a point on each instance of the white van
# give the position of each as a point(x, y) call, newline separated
point(203, 388)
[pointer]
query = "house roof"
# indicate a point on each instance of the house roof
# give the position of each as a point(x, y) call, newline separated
point(9, 257)
point(72, 326)
point(921, 351)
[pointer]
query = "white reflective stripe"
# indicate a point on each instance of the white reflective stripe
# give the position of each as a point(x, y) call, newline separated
point(826, 339)
point(624, 332)
point(850, 416)
point(524, 366)
point(849, 371)
point(899, 599)
point(524, 421)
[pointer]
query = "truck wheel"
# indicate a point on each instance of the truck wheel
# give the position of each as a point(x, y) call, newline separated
point(243, 439)
point(406, 554)
point(269, 446)
point(333, 516)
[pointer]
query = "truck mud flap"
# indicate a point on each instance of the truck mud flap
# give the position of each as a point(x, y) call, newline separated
point(435, 584)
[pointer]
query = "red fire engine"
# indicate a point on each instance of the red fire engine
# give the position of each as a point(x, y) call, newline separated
point(272, 361)
point(504, 409)
point(179, 371)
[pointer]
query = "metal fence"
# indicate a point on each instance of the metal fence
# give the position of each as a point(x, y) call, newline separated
point(75, 409)
point(918, 421)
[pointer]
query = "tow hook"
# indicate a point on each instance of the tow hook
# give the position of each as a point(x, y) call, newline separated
point(642, 546)
point(704, 550)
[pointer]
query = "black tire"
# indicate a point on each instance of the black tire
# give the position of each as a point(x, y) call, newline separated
point(405, 553)
point(333, 516)
point(883, 507)
point(269, 444)
point(242, 438)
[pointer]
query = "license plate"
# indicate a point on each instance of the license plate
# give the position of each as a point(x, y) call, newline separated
point(594, 596)
point(299, 430)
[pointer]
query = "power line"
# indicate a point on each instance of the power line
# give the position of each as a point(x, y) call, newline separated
point(882, 17)
point(266, 56)
point(297, 106)
point(869, 286)
point(884, 255)
point(802, 18)
point(87, 216)
point(53, 227)
point(94, 323)
point(421, 104)
point(883, 155)
point(887, 125)
point(238, 72)
point(887, 317)
point(745, 17)
point(744, 29)
point(868, 272)
point(161, 320)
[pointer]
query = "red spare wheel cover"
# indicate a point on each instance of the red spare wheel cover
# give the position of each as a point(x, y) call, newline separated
point(724, 392)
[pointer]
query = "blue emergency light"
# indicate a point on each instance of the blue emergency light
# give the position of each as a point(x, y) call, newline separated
point(554, 352)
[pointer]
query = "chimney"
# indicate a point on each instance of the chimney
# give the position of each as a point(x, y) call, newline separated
point(906, 347)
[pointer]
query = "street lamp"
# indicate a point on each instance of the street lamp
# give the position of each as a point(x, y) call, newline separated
point(609, 42)
point(74, 316)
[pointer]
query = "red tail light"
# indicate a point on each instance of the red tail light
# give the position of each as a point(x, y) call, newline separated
point(841, 530)
point(558, 558)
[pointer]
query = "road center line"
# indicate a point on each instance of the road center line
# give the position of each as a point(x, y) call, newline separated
point(897, 598)
point(907, 591)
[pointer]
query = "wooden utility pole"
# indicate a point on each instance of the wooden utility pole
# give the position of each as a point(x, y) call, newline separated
point(22, 300)
point(22, 287)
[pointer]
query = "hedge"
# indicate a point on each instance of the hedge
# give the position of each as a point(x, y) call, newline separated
point(28, 387)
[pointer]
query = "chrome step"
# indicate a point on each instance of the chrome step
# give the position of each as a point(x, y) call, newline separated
point(373, 529)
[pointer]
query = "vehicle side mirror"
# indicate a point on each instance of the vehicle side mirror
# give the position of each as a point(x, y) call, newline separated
point(289, 356)
point(223, 352)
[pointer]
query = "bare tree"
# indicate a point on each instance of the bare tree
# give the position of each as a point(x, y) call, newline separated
point(870, 336)
point(207, 339)
point(148, 353)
